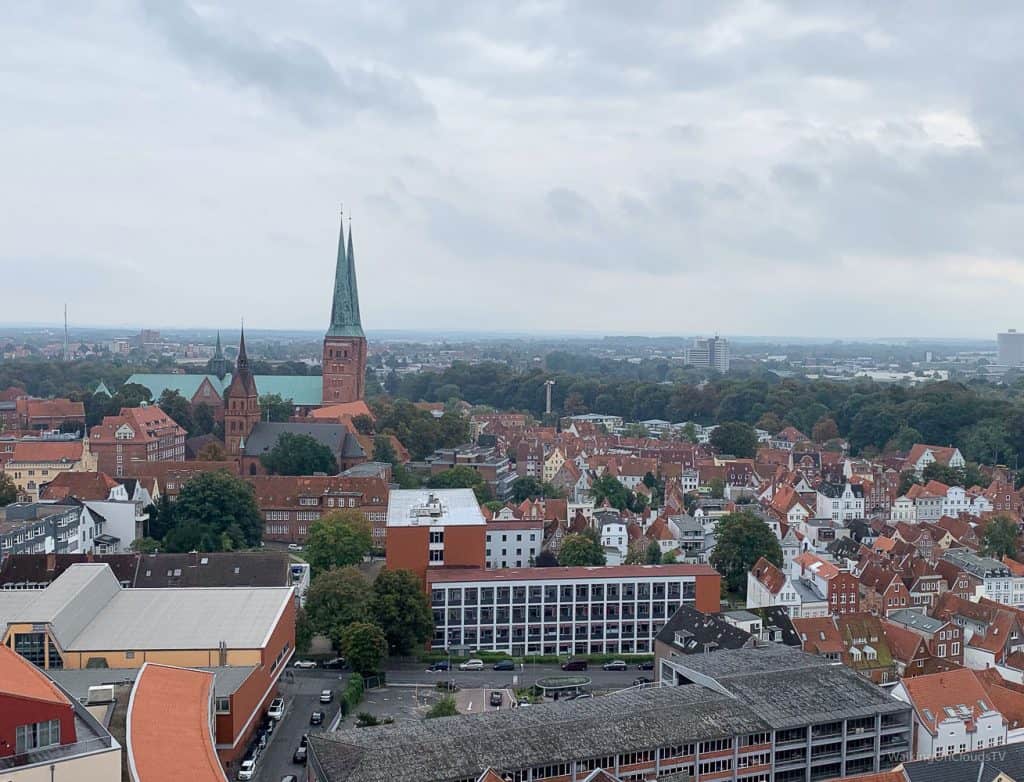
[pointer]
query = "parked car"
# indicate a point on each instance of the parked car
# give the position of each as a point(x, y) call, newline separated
point(496, 698)
point(574, 665)
point(440, 665)
point(247, 770)
point(648, 665)
point(276, 710)
point(641, 680)
point(316, 718)
point(614, 665)
point(326, 696)
point(472, 665)
point(335, 662)
point(305, 664)
point(300, 755)
point(289, 778)
point(504, 665)
point(294, 547)
point(304, 740)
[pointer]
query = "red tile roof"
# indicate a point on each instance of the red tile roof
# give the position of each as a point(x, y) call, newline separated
point(54, 408)
point(931, 694)
point(769, 575)
point(48, 451)
point(80, 485)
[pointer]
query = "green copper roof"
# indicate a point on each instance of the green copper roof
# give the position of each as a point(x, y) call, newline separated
point(345, 320)
point(305, 390)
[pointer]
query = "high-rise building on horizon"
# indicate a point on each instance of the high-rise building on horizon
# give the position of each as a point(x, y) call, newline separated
point(344, 358)
point(1011, 347)
point(710, 353)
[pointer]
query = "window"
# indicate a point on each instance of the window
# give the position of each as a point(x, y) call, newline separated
point(437, 555)
point(437, 536)
point(223, 705)
point(36, 735)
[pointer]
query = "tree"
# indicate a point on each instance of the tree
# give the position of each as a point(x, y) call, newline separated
point(384, 451)
point(399, 606)
point(580, 550)
point(824, 430)
point(669, 557)
point(545, 559)
point(145, 545)
point(363, 645)
point(443, 708)
point(299, 454)
point(735, 438)
point(462, 477)
point(742, 540)
point(337, 539)
point(203, 419)
point(903, 440)
point(178, 408)
point(363, 423)
point(1000, 537)
point(337, 598)
point(273, 407)
point(213, 452)
point(717, 488)
point(610, 488)
point(215, 511)
point(303, 631)
point(653, 553)
point(8, 491)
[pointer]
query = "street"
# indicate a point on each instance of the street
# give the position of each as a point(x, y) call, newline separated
point(301, 698)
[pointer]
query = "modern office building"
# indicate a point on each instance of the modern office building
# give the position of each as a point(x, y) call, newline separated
point(770, 713)
point(434, 528)
point(710, 353)
point(564, 610)
point(1010, 345)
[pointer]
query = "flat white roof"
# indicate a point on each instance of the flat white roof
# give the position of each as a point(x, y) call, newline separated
point(434, 508)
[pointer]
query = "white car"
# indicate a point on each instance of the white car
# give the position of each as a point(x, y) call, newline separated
point(247, 770)
point(276, 710)
point(472, 665)
point(305, 664)
point(294, 547)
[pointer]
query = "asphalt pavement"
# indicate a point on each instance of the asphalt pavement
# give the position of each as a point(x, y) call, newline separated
point(301, 698)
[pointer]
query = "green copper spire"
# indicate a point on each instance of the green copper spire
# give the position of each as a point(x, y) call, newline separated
point(345, 321)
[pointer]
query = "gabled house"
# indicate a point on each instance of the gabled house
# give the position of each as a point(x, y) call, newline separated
point(920, 456)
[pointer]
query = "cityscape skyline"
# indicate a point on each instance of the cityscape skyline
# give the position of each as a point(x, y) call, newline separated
point(716, 175)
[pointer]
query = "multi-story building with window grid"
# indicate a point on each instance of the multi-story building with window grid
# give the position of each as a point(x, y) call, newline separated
point(564, 610)
point(767, 714)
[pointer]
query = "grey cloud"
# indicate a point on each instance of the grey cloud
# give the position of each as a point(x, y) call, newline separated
point(293, 72)
point(795, 177)
point(567, 206)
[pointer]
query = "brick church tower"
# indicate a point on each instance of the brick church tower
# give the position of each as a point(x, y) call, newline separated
point(241, 403)
point(344, 364)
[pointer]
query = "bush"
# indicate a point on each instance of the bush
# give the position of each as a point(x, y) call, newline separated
point(353, 693)
point(443, 708)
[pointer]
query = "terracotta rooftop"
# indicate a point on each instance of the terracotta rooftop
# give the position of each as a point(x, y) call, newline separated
point(20, 678)
point(48, 451)
point(958, 690)
point(80, 485)
point(170, 744)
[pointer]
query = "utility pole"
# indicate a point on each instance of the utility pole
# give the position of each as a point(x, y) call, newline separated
point(547, 389)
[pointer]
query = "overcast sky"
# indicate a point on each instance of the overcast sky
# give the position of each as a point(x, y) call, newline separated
point(804, 168)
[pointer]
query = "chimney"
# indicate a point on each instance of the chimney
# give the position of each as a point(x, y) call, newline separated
point(51, 562)
point(193, 558)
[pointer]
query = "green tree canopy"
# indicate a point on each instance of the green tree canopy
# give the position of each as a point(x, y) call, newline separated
point(742, 539)
point(735, 438)
point(299, 454)
point(653, 553)
point(610, 488)
point(273, 407)
point(337, 598)
point(443, 708)
point(363, 423)
point(338, 539)
point(215, 511)
point(178, 408)
point(399, 605)
point(462, 477)
point(8, 491)
point(363, 645)
point(580, 549)
point(1000, 537)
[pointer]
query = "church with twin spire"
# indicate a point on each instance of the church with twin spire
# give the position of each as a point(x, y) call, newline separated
point(235, 396)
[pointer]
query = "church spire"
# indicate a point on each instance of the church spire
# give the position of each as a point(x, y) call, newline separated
point(243, 359)
point(345, 320)
point(218, 351)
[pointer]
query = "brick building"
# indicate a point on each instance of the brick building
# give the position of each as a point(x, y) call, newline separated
point(241, 403)
point(32, 463)
point(144, 433)
point(433, 529)
point(289, 504)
